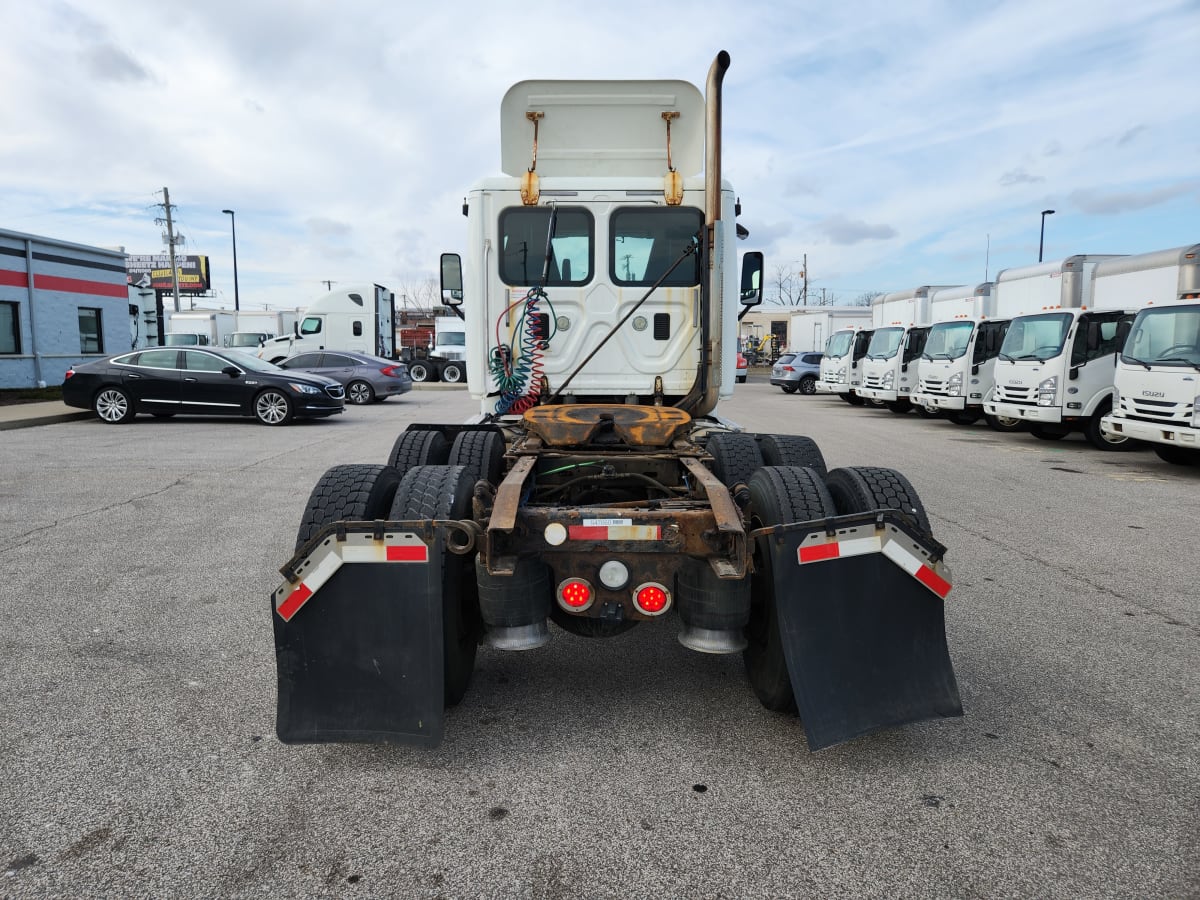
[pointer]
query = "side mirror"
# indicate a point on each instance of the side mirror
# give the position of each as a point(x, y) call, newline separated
point(452, 280)
point(752, 269)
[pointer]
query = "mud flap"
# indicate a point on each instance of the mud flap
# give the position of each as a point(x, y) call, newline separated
point(860, 612)
point(358, 646)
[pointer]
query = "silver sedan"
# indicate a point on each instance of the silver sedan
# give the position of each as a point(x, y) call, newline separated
point(367, 378)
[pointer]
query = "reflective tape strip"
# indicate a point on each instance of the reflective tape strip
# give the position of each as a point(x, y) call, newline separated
point(838, 549)
point(414, 551)
point(312, 583)
point(916, 568)
point(614, 532)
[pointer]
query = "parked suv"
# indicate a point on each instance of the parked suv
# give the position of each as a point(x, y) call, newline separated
point(797, 372)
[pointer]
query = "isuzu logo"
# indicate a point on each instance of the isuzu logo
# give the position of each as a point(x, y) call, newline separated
point(1015, 381)
point(1153, 394)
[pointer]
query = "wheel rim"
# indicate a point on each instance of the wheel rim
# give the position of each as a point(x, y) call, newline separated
point(417, 372)
point(272, 408)
point(808, 386)
point(112, 406)
point(359, 392)
point(451, 374)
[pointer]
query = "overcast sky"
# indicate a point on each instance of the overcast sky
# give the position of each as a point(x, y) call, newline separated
point(895, 143)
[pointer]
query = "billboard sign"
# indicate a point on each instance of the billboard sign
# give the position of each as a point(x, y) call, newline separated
point(154, 271)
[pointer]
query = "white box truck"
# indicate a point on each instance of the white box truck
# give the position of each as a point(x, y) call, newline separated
point(199, 328)
point(357, 317)
point(891, 367)
point(841, 373)
point(447, 358)
point(257, 326)
point(810, 328)
point(1055, 367)
point(1156, 388)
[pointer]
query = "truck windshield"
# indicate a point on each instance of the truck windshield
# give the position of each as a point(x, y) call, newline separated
point(181, 340)
point(884, 343)
point(1167, 336)
point(948, 340)
point(1036, 337)
point(452, 339)
point(646, 241)
point(839, 343)
point(247, 339)
point(523, 246)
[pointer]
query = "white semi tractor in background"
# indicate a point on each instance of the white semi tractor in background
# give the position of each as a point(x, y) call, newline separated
point(199, 328)
point(356, 317)
point(890, 370)
point(1054, 372)
point(257, 326)
point(1157, 379)
point(447, 359)
point(597, 487)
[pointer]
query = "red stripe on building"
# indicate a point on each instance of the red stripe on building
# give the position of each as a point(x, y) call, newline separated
point(815, 552)
point(933, 581)
point(588, 532)
point(9, 278)
point(79, 286)
point(295, 600)
point(413, 553)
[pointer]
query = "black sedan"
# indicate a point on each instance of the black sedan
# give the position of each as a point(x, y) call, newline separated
point(164, 381)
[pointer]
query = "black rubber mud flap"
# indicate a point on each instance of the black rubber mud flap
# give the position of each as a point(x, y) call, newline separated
point(360, 658)
point(865, 643)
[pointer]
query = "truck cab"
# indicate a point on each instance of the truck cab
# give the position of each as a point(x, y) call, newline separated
point(841, 366)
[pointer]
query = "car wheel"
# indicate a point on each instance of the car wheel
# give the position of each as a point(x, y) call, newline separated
point(452, 373)
point(359, 392)
point(272, 407)
point(741, 379)
point(790, 388)
point(113, 406)
point(808, 385)
point(418, 371)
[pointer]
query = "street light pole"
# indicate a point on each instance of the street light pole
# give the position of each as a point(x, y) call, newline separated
point(237, 304)
point(1041, 240)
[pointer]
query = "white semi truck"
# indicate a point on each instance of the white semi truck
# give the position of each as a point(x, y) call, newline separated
point(1157, 380)
point(1054, 372)
point(447, 360)
point(357, 317)
point(811, 327)
point(199, 328)
point(257, 326)
point(900, 321)
point(960, 353)
point(597, 487)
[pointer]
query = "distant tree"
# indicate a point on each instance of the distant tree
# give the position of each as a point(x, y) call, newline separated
point(787, 286)
point(866, 298)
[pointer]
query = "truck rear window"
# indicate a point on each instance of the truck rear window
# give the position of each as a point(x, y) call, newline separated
point(647, 240)
point(523, 233)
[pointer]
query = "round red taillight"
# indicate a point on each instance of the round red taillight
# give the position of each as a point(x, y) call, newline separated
point(575, 594)
point(651, 598)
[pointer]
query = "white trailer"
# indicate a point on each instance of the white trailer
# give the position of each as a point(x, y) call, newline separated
point(1156, 394)
point(1055, 367)
point(811, 328)
point(892, 365)
point(257, 326)
point(199, 328)
point(357, 317)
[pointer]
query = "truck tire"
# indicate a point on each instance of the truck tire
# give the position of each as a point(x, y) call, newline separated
point(1177, 456)
point(418, 370)
point(419, 447)
point(356, 493)
point(481, 452)
point(735, 455)
point(852, 398)
point(899, 407)
point(857, 489)
point(791, 450)
point(963, 417)
point(444, 492)
point(778, 495)
point(1047, 432)
point(789, 388)
point(113, 406)
point(1004, 423)
point(453, 372)
point(1096, 436)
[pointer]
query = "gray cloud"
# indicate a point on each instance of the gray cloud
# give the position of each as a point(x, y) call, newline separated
point(1019, 176)
point(328, 228)
point(1054, 148)
point(109, 63)
point(1129, 136)
point(1109, 203)
point(800, 187)
point(845, 231)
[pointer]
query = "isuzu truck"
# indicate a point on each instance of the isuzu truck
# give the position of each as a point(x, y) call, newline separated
point(900, 321)
point(841, 366)
point(1156, 389)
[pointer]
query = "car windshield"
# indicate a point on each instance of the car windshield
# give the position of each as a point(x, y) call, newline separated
point(1165, 336)
point(948, 340)
point(885, 342)
point(1036, 337)
point(839, 343)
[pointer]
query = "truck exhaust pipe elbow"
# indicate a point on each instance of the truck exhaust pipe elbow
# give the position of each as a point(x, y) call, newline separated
point(712, 138)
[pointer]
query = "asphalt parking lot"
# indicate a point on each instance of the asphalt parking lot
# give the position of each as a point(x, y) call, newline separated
point(137, 723)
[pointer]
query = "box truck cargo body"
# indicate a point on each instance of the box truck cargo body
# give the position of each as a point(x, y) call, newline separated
point(199, 328)
point(810, 328)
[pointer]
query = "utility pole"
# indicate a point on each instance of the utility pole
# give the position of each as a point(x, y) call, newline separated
point(804, 275)
point(171, 240)
point(328, 285)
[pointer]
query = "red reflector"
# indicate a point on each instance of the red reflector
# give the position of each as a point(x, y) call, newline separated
point(651, 598)
point(576, 593)
point(413, 553)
